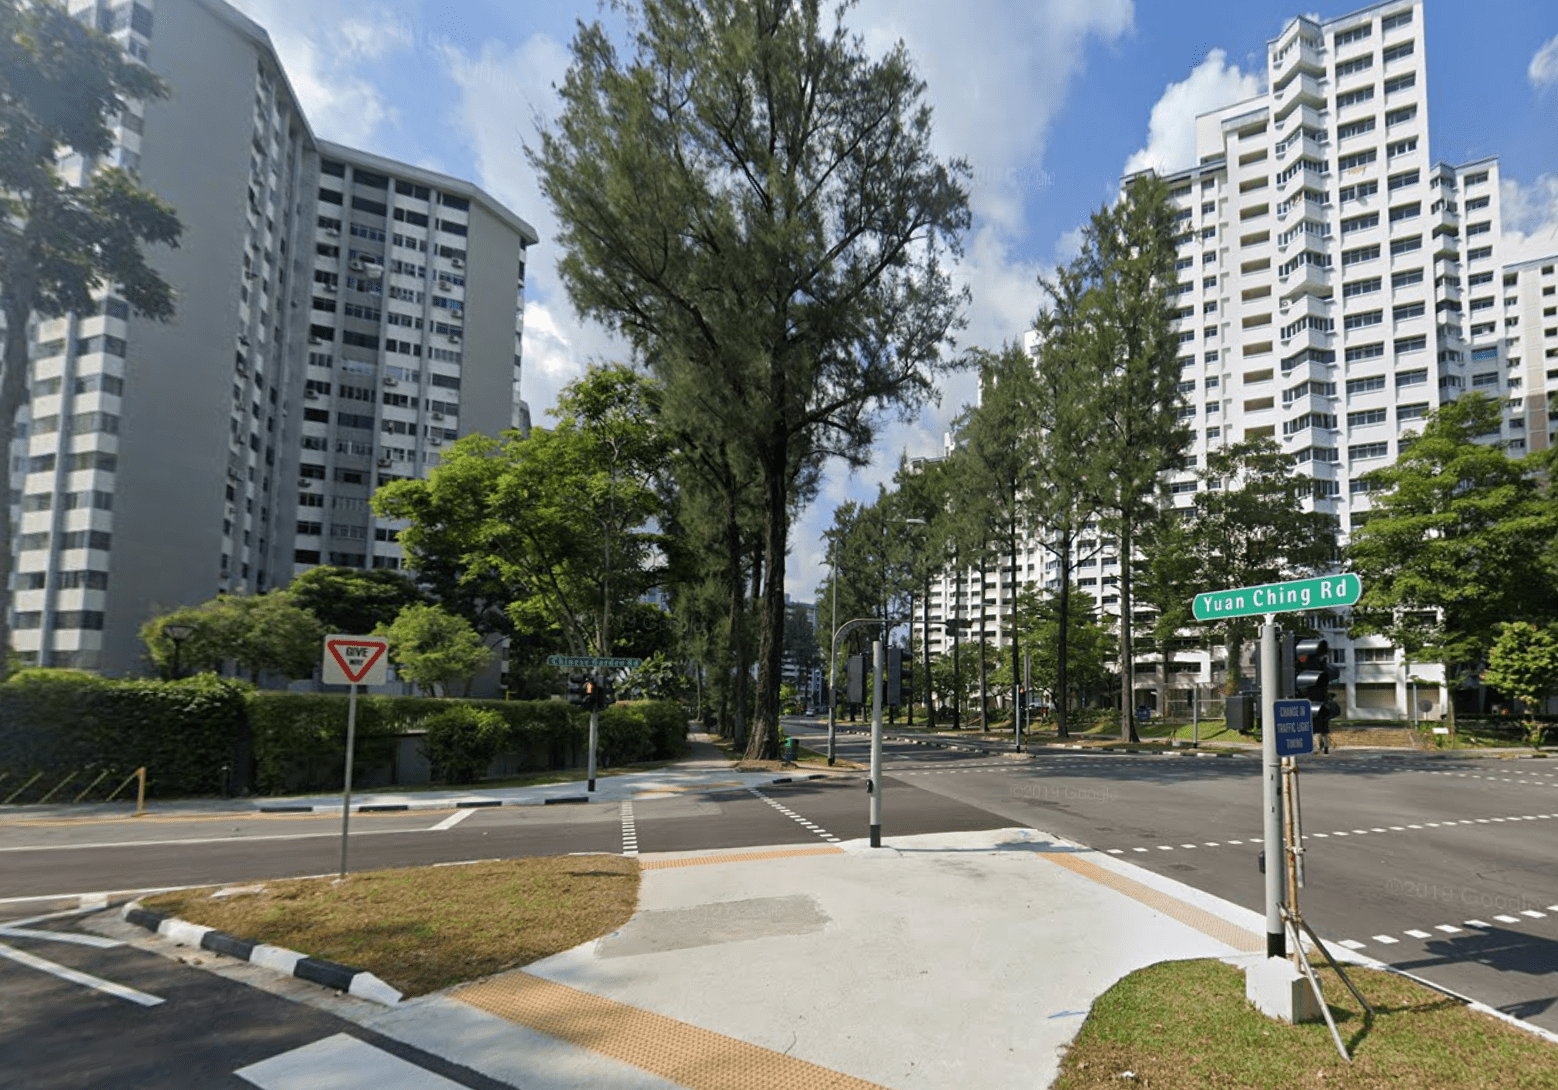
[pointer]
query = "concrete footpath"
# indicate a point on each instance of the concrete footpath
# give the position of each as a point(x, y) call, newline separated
point(953, 961)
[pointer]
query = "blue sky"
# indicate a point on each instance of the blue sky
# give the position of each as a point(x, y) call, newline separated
point(1050, 100)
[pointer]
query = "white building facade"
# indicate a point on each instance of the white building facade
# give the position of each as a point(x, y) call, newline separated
point(1336, 286)
point(159, 465)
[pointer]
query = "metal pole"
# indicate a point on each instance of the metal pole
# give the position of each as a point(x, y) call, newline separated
point(930, 706)
point(876, 743)
point(346, 791)
point(1195, 714)
point(833, 659)
point(594, 727)
point(909, 657)
point(957, 682)
point(1271, 788)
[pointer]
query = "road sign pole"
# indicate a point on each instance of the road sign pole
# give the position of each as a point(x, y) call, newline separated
point(1271, 787)
point(876, 745)
point(346, 793)
point(594, 730)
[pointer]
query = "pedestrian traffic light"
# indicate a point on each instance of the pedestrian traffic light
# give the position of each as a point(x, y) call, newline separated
point(578, 695)
point(1312, 677)
point(595, 697)
point(608, 693)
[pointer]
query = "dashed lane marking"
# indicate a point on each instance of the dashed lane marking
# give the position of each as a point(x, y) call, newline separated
point(452, 820)
point(793, 816)
point(629, 829)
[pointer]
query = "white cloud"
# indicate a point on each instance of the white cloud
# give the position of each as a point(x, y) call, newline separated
point(332, 72)
point(1530, 218)
point(1171, 129)
point(1543, 70)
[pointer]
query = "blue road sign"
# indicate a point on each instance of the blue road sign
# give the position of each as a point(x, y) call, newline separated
point(1295, 727)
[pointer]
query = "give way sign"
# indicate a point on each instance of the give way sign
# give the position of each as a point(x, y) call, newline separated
point(355, 660)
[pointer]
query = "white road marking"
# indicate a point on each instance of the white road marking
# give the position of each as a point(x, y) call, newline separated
point(1351, 944)
point(1478, 923)
point(1418, 934)
point(1533, 913)
point(341, 1062)
point(87, 980)
point(1116, 851)
point(629, 829)
point(202, 840)
point(1447, 929)
point(453, 819)
point(1138, 849)
point(1385, 939)
point(1507, 919)
point(71, 937)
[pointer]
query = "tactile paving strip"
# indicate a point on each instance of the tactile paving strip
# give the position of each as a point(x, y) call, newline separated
point(1205, 922)
point(676, 1051)
point(734, 857)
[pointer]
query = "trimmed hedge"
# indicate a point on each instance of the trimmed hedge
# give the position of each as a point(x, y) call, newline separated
point(183, 732)
point(187, 732)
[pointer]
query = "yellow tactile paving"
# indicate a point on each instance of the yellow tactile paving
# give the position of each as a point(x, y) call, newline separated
point(733, 857)
point(1205, 922)
point(676, 1051)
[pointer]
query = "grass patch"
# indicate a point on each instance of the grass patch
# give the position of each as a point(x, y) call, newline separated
point(425, 928)
point(804, 756)
point(1185, 1024)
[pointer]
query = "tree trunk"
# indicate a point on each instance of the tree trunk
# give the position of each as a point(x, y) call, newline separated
point(13, 392)
point(735, 693)
point(1017, 690)
point(1127, 651)
point(764, 742)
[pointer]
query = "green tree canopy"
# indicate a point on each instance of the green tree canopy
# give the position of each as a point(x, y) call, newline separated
point(253, 635)
point(1457, 541)
point(354, 601)
point(558, 524)
point(61, 85)
point(432, 648)
point(1523, 662)
point(754, 202)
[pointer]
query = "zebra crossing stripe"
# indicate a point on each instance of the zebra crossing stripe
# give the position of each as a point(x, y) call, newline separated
point(629, 829)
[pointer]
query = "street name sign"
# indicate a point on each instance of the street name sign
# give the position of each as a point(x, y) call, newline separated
point(1295, 727)
point(1323, 592)
point(593, 662)
point(355, 660)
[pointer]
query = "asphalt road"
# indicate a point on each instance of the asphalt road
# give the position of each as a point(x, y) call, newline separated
point(155, 1024)
point(1443, 868)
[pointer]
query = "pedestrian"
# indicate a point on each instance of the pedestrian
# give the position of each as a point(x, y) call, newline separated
point(1323, 735)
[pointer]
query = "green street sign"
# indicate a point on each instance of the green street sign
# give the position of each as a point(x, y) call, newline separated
point(1320, 593)
point(593, 662)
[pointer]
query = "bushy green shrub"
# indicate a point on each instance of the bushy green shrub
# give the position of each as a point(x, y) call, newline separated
point(642, 730)
point(462, 741)
point(183, 732)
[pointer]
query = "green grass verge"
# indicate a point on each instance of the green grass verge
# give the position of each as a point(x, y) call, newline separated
point(1178, 1025)
point(424, 928)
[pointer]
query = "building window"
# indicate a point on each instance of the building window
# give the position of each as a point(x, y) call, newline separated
point(1365, 418)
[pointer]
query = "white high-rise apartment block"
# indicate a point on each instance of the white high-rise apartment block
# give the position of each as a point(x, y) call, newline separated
point(162, 464)
point(1336, 286)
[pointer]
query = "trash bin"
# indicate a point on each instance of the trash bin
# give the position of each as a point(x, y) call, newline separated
point(792, 748)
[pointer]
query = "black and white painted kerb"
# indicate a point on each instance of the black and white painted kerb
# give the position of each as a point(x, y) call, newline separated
point(342, 978)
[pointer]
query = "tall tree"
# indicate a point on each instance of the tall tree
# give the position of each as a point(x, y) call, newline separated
point(1089, 646)
point(754, 202)
point(61, 85)
point(1458, 540)
point(994, 466)
point(1250, 526)
point(431, 647)
point(1126, 333)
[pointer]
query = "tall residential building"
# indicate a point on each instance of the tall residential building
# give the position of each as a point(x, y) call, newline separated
point(1336, 286)
point(160, 464)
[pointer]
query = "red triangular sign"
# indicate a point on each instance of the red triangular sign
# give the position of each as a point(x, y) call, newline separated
point(359, 657)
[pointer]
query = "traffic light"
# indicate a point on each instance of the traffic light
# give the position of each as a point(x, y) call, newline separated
point(856, 676)
point(1312, 677)
point(578, 695)
point(900, 676)
point(596, 695)
point(608, 693)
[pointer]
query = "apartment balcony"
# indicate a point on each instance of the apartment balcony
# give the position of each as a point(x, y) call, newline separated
point(1309, 437)
point(1313, 279)
point(1309, 403)
point(1308, 338)
point(1305, 148)
point(1303, 90)
point(1305, 306)
point(1302, 57)
point(1309, 371)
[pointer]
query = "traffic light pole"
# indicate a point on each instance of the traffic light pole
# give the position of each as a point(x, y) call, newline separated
point(594, 725)
point(1271, 786)
point(833, 698)
point(876, 743)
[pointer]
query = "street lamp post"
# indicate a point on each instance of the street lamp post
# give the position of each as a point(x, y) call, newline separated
point(178, 633)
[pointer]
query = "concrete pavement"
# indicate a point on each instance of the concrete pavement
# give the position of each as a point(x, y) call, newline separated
point(948, 960)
